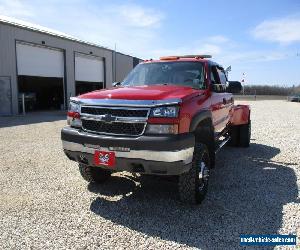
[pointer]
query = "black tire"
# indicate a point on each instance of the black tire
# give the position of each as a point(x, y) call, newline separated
point(192, 188)
point(94, 174)
point(245, 135)
point(234, 136)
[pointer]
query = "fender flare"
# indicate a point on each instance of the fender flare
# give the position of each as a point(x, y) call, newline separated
point(199, 117)
point(241, 115)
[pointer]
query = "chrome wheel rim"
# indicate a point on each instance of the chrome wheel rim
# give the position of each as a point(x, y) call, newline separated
point(203, 176)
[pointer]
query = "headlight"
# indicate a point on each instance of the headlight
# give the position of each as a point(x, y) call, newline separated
point(162, 129)
point(74, 107)
point(171, 111)
point(73, 118)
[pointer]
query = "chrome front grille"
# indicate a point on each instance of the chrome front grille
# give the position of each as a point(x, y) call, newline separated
point(120, 128)
point(114, 120)
point(118, 112)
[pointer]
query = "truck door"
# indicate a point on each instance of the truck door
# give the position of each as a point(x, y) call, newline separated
point(228, 102)
point(221, 102)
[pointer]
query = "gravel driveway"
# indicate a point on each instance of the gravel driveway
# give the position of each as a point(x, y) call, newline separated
point(44, 203)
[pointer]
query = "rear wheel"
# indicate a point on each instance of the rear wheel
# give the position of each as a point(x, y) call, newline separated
point(94, 174)
point(234, 136)
point(193, 184)
point(245, 135)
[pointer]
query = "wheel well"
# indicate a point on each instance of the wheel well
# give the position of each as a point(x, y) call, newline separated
point(204, 133)
point(204, 130)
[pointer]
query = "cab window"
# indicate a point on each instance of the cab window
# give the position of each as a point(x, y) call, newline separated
point(218, 79)
point(222, 76)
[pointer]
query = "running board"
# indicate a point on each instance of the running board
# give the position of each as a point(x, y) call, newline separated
point(222, 144)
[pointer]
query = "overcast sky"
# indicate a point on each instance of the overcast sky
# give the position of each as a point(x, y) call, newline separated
point(260, 38)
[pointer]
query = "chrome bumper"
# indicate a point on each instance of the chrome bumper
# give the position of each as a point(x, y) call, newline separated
point(184, 155)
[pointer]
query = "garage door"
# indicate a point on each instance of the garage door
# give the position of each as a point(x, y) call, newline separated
point(39, 61)
point(89, 68)
point(40, 77)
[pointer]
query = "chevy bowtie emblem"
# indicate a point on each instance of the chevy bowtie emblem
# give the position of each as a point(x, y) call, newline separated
point(108, 118)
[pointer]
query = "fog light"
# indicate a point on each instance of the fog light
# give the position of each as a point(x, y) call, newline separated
point(162, 129)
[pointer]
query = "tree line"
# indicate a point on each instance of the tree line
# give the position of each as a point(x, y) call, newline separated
point(271, 90)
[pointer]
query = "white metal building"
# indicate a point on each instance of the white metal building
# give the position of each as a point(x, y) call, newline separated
point(48, 67)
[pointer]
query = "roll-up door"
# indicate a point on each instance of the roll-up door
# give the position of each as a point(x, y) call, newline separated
point(89, 73)
point(39, 61)
point(40, 77)
point(89, 68)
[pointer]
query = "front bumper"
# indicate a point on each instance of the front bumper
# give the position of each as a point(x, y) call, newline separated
point(166, 155)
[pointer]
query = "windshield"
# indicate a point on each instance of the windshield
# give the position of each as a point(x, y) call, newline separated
point(175, 73)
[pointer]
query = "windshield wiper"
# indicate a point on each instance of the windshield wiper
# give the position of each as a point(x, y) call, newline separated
point(165, 83)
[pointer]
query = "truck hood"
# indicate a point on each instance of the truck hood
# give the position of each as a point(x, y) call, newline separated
point(152, 92)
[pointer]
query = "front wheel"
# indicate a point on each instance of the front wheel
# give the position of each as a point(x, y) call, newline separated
point(94, 174)
point(193, 184)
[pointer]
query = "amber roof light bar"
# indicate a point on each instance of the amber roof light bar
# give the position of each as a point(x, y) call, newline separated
point(184, 56)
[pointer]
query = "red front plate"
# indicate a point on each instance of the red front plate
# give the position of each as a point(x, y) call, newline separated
point(104, 158)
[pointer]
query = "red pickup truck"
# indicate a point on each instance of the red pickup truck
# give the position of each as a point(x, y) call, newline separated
point(168, 117)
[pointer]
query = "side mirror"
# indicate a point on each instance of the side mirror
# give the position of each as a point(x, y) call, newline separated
point(115, 84)
point(234, 87)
